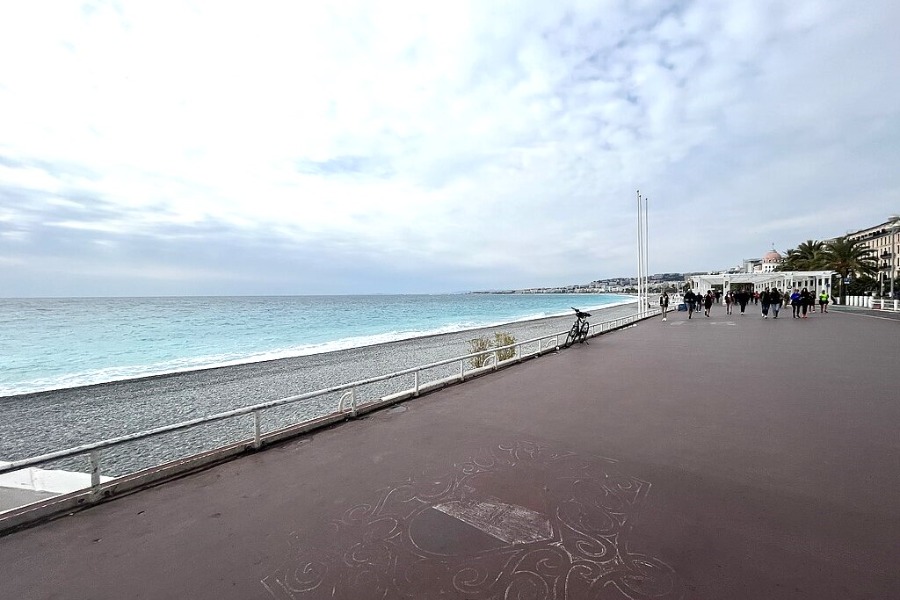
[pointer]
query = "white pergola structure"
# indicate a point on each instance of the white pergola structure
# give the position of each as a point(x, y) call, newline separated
point(814, 281)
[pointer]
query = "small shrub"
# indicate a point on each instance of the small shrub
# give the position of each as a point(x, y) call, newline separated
point(477, 345)
point(482, 343)
point(505, 339)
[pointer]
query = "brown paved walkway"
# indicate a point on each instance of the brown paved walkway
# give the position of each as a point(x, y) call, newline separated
point(729, 458)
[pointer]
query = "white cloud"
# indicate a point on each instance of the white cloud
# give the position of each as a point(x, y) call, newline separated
point(503, 139)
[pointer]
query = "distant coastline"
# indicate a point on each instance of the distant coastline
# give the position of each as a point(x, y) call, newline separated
point(567, 290)
point(619, 286)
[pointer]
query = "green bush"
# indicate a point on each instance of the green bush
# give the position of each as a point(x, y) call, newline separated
point(505, 339)
point(477, 345)
point(483, 342)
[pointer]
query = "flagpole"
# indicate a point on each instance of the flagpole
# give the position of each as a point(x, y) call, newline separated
point(640, 257)
point(646, 254)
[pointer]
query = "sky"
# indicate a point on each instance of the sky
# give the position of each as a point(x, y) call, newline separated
point(379, 146)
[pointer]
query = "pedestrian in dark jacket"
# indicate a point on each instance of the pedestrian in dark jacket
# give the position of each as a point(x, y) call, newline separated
point(805, 301)
point(775, 301)
point(742, 297)
point(708, 302)
point(690, 300)
point(764, 301)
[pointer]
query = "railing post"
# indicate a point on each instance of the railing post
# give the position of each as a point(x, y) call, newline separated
point(416, 384)
point(257, 429)
point(352, 394)
point(462, 372)
point(95, 475)
point(496, 359)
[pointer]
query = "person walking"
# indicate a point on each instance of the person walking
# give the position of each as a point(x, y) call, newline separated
point(664, 304)
point(805, 301)
point(795, 303)
point(690, 299)
point(823, 301)
point(775, 301)
point(729, 302)
point(742, 297)
point(764, 301)
point(707, 302)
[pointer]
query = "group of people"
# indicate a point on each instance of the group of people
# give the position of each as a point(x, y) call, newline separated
point(801, 301)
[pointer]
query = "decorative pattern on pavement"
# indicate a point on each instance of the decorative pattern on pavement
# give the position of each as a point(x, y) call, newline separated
point(520, 521)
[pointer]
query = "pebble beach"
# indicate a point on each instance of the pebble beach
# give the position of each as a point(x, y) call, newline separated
point(42, 422)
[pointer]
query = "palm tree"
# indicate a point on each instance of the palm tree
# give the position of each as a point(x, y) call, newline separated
point(808, 256)
point(789, 260)
point(813, 252)
point(848, 256)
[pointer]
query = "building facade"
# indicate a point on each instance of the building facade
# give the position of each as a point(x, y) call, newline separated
point(884, 242)
point(770, 262)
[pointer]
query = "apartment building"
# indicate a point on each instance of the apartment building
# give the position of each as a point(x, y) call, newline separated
point(884, 241)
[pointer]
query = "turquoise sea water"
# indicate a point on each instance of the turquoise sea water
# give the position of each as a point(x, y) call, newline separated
point(58, 343)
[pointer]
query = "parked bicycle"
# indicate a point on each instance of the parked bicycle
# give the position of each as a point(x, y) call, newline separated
point(580, 328)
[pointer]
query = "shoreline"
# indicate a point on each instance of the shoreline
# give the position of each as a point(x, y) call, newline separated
point(41, 422)
point(518, 324)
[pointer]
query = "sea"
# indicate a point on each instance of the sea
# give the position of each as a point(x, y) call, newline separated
point(57, 343)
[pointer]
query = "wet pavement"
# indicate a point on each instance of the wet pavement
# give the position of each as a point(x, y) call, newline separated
point(723, 457)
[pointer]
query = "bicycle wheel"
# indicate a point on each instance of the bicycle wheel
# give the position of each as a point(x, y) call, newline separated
point(573, 335)
point(585, 330)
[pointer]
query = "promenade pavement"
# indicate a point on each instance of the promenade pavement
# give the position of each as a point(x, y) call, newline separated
point(729, 457)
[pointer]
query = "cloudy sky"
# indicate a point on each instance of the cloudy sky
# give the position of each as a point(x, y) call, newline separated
point(374, 146)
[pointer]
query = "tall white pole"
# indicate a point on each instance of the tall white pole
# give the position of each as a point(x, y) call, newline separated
point(640, 257)
point(646, 253)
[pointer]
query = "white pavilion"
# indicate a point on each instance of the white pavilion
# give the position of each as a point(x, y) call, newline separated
point(814, 281)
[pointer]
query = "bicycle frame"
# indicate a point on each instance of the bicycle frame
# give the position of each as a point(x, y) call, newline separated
point(580, 328)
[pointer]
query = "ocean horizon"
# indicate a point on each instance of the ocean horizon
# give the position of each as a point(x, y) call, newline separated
point(60, 343)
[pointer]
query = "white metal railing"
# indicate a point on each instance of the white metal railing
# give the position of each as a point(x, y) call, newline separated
point(347, 405)
point(885, 304)
point(873, 303)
